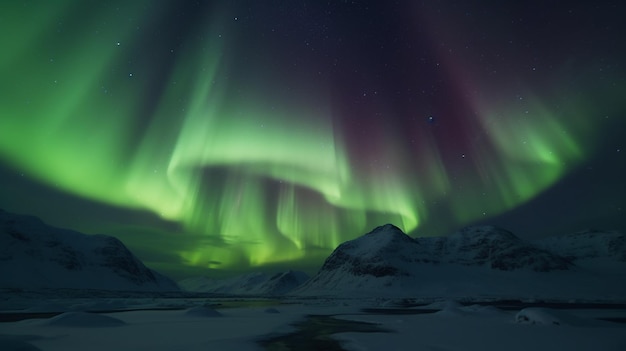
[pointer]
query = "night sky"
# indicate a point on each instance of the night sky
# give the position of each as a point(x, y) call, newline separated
point(217, 137)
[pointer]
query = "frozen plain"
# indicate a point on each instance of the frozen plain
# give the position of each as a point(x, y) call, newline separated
point(250, 324)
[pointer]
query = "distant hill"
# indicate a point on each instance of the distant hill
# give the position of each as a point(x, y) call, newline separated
point(34, 255)
point(257, 284)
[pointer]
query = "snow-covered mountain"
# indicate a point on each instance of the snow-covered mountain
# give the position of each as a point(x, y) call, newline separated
point(257, 284)
point(588, 244)
point(387, 251)
point(35, 255)
point(492, 247)
point(480, 260)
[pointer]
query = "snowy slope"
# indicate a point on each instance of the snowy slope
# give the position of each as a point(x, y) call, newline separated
point(248, 284)
point(475, 261)
point(493, 247)
point(283, 283)
point(34, 255)
point(587, 244)
point(375, 261)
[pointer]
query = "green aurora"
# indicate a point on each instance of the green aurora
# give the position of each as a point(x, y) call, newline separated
point(249, 161)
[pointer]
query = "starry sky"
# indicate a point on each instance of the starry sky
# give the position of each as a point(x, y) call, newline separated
point(218, 137)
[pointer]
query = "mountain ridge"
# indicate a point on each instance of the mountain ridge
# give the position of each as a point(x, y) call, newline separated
point(247, 284)
point(476, 260)
point(34, 255)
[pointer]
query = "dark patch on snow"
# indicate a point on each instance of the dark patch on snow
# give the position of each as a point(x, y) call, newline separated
point(314, 333)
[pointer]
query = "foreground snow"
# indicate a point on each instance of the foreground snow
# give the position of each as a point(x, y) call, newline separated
point(466, 329)
point(230, 329)
point(203, 327)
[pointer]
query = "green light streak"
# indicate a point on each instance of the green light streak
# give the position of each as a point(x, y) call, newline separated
point(251, 178)
point(535, 148)
point(207, 159)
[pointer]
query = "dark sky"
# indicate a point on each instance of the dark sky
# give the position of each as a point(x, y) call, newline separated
point(220, 137)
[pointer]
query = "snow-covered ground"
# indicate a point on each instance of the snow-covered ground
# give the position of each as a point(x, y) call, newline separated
point(200, 324)
point(197, 328)
point(483, 328)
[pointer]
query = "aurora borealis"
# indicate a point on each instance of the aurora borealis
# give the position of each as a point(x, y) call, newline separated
point(241, 135)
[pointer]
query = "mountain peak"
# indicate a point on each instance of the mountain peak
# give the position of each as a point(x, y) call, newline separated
point(376, 253)
point(386, 257)
point(385, 228)
point(387, 234)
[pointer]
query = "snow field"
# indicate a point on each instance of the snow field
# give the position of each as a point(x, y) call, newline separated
point(476, 328)
point(198, 328)
point(453, 328)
